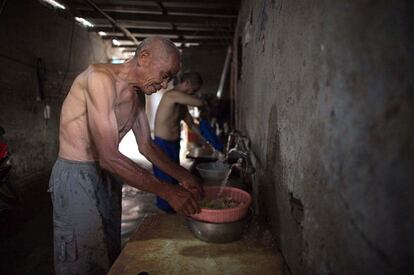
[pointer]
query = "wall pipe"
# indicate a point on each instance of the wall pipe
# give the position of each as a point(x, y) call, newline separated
point(113, 22)
point(224, 73)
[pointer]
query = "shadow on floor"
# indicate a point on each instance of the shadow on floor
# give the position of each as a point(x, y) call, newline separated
point(26, 233)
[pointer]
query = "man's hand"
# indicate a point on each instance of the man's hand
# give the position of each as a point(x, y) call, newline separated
point(181, 200)
point(193, 184)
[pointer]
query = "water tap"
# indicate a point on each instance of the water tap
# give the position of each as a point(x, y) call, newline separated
point(241, 152)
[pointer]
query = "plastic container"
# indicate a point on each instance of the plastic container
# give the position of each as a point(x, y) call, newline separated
point(213, 171)
point(225, 215)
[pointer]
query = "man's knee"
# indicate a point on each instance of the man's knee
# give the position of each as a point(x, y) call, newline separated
point(80, 253)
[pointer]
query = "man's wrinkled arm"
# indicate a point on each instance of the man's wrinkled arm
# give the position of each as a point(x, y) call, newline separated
point(185, 99)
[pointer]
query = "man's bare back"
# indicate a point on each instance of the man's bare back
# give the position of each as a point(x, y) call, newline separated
point(173, 108)
point(74, 137)
point(168, 117)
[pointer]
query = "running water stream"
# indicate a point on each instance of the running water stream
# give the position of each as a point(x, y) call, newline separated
point(221, 161)
point(225, 180)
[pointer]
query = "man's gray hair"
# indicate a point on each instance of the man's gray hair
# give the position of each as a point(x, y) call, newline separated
point(155, 41)
point(194, 78)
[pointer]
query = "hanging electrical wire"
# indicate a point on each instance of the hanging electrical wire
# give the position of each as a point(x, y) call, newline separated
point(3, 3)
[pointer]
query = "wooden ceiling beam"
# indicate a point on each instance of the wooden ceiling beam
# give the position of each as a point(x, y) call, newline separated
point(198, 12)
point(122, 39)
point(131, 48)
point(160, 18)
point(151, 32)
point(150, 28)
point(230, 3)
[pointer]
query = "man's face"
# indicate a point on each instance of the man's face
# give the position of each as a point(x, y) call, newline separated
point(157, 73)
point(194, 88)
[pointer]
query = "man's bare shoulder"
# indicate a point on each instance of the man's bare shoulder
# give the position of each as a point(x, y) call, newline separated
point(182, 98)
point(172, 95)
point(97, 84)
point(100, 70)
point(167, 97)
point(100, 77)
point(93, 73)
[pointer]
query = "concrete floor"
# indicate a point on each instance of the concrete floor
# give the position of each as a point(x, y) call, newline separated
point(26, 234)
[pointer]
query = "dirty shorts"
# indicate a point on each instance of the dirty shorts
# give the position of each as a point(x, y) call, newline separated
point(86, 217)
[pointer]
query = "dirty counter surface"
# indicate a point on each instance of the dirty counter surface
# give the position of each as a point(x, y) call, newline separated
point(164, 244)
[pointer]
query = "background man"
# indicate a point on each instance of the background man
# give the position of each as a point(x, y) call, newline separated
point(171, 110)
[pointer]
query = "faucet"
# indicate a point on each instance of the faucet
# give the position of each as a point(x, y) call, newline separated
point(241, 152)
point(236, 153)
point(231, 139)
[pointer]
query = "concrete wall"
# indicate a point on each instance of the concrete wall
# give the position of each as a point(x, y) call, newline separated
point(30, 30)
point(208, 62)
point(326, 97)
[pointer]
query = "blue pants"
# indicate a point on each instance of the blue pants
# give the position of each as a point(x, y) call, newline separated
point(172, 149)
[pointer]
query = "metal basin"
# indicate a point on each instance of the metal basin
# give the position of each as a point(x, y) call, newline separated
point(215, 171)
point(201, 153)
point(219, 232)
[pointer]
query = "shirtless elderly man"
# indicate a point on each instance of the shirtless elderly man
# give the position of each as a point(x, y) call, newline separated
point(171, 110)
point(103, 104)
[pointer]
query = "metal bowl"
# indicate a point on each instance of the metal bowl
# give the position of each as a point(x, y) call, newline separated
point(215, 171)
point(219, 232)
